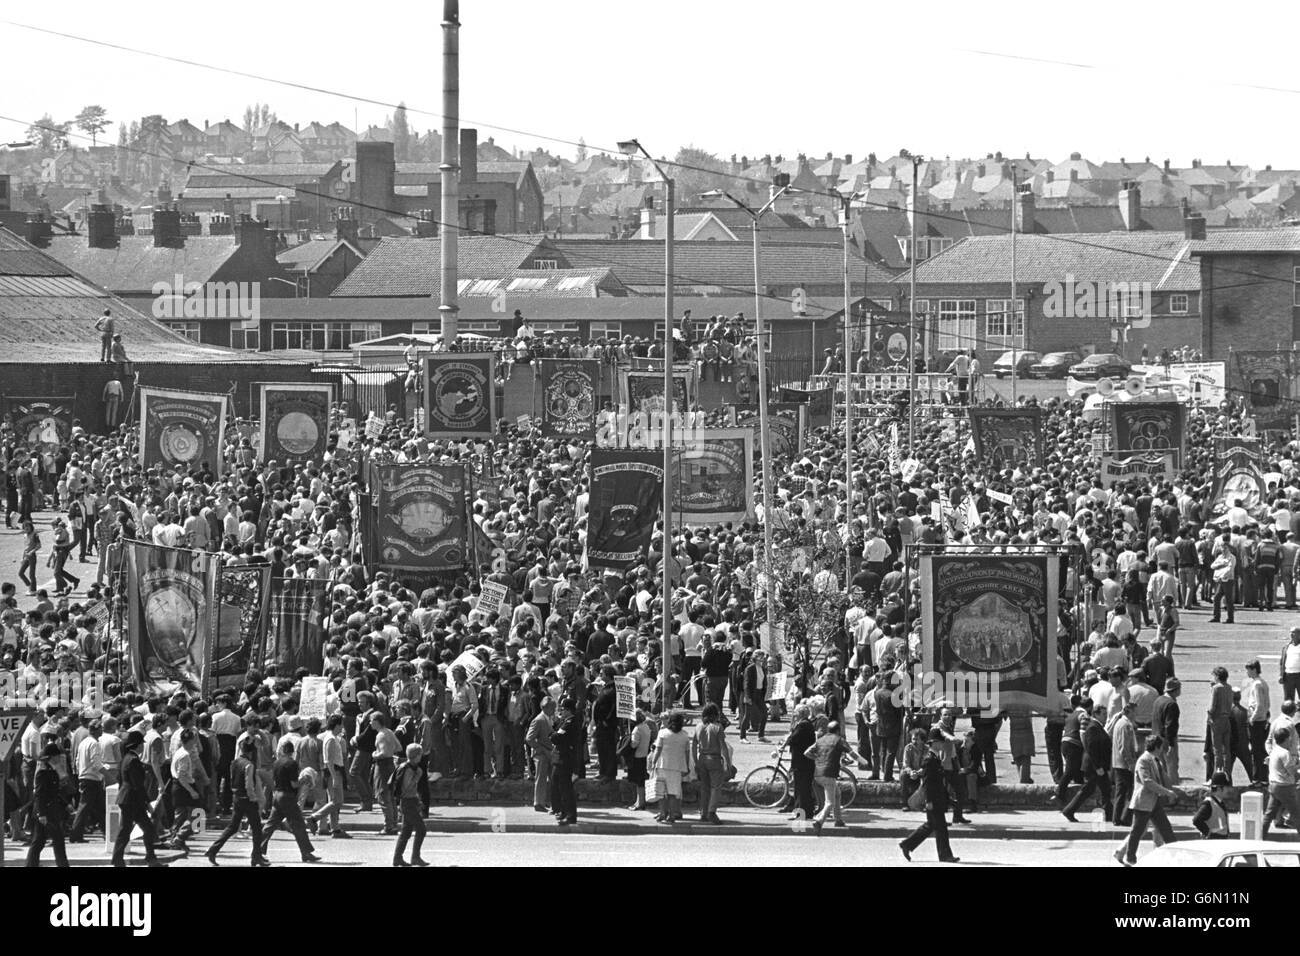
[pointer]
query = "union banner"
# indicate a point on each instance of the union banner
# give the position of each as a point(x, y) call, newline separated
point(1148, 426)
point(295, 422)
point(643, 392)
point(182, 428)
point(419, 516)
point(786, 423)
point(568, 389)
point(1238, 476)
point(299, 607)
point(459, 394)
point(1008, 436)
point(171, 596)
point(44, 423)
point(243, 613)
point(626, 488)
point(713, 477)
point(989, 622)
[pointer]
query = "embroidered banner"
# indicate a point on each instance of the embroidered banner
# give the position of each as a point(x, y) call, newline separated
point(171, 595)
point(178, 428)
point(626, 490)
point(568, 397)
point(295, 422)
point(419, 516)
point(459, 394)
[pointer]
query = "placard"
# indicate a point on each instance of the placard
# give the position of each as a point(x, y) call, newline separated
point(625, 688)
point(311, 700)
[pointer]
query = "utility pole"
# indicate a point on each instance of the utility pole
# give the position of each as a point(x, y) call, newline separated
point(449, 172)
point(848, 395)
point(1016, 340)
point(911, 323)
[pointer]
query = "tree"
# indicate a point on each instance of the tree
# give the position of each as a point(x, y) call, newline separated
point(48, 135)
point(123, 162)
point(582, 149)
point(401, 134)
point(93, 120)
point(695, 172)
point(267, 116)
point(250, 117)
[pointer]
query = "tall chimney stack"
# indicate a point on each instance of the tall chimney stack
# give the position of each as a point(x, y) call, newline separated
point(101, 226)
point(449, 168)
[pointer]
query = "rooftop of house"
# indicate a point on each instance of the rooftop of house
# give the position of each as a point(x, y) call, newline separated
point(312, 254)
point(48, 313)
point(1159, 258)
point(135, 264)
point(1285, 240)
point(402, 266)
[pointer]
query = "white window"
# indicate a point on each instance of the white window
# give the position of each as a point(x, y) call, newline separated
point(606, 330)
point(563, 327)
point(522, 284)
point(1001, 324)
point(955, 325)
point(322, 336)
point(1178, 304)
point(485, 327)
point(246, 335)
point(569, 283)
point(427, 328)
point(546, 263)
point(188, 329)
point(482, 287)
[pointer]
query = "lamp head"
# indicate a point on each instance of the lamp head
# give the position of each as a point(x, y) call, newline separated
point(629, 147)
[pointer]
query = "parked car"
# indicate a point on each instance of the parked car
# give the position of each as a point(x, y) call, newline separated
point(1225, 853)
point(1053, 365)
point(1101, 365)
point(1022, 359)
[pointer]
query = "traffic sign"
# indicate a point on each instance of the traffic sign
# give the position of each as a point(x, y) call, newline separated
point(12, 723)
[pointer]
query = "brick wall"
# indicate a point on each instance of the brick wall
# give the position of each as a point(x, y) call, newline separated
point(1249, 303)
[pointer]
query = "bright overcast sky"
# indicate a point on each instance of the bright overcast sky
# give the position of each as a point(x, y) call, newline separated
point(1148, 80)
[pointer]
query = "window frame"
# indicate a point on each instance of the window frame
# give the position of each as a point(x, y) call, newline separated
point(1173, 303)
point(964, 336)
point(189, 329)
point(1016, 338)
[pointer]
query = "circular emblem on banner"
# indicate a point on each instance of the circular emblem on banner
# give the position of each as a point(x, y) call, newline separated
point(991, 633)
point(460, 395)
point(180, 443)
point(297, 433)
point(422, 518)
point(896, 347)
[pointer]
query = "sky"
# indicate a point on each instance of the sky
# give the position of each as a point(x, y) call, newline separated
point(957, 79)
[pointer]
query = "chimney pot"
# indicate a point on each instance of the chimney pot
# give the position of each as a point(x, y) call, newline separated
point(1075, 157)
point(1166, 165)
point(167, 227)
point(101, 226)
point(848, 159)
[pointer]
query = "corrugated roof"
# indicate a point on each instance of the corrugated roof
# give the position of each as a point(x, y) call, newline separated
point(136, 264)
point(1093, 257)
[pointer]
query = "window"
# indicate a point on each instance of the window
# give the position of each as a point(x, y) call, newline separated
point(1001, 324)
point(482, 287)
point(427, 328)
point(925, 248)
point(569, 283)
point(522, 284)
point(955, 325)
point(606, 330)
point(322, 336)
point(1178, 304)
point(188, 329)
point(559, 328)
point(546, 263)
point(488, 327)
point(1295, 283)
point(246, 335)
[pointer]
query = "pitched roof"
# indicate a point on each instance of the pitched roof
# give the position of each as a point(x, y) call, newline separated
point(48, 314)
point(1285, 240)
point(255, 175)
point(489, 171)
point(402, 266)
point(135, 264)
point(1160, 258)
point(724, 266)
point(310, 255)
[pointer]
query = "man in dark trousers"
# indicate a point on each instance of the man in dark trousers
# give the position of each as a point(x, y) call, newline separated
point(802, 736)
point(935, 785)
point(243, 791)
point(566, 740)
point(604, 722)
point(756, 697)
point(49, 811)
point(1096, 764)
point(133, 798)
point(284, 804)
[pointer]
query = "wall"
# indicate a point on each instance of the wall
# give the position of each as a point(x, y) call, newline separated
point(86, 382)
point(1249, 303)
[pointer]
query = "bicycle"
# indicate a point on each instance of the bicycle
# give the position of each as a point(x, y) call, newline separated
point(768, 786)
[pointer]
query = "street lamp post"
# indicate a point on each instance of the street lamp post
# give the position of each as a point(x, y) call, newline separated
point(846, 205)
point(631, 148)
point(781, 185)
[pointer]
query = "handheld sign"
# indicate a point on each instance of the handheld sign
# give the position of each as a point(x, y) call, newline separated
point(471, 662)
point(12, 724)
point(491, 598)
point(311, 702)
point(625, 688)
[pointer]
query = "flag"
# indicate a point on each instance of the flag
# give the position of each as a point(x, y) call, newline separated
point(298, 610)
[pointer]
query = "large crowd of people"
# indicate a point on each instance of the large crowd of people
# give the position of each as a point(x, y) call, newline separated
point(539, 702)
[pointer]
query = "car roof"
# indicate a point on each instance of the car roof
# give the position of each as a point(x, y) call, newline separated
point(1226, 847)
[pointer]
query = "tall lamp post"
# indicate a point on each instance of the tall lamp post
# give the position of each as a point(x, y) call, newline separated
point(631, 148)
point(846, 203)
point(780, 185)
point(911, 324)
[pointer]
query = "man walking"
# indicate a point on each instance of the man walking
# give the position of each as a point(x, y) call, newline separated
point(1164, 724)
point(1097, 749)
point(90, 781)
point(133, 798)
point(246, 806)
point(1123, 761)
point(934, 782)
point(1289, 666)
point(284, 804)
point(1149, 790)
point(407, 782)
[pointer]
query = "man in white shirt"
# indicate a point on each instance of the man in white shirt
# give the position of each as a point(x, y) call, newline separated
point(1255, 698)
point(1289, 667)
point(90, 784)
